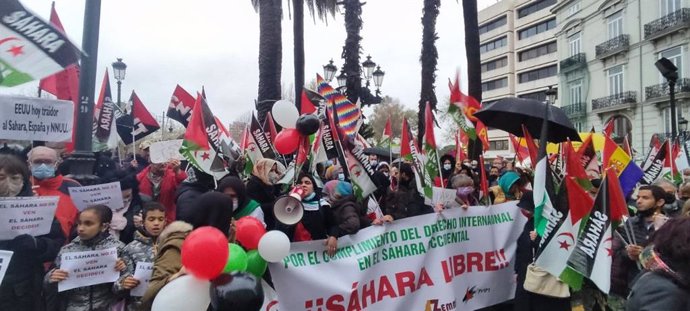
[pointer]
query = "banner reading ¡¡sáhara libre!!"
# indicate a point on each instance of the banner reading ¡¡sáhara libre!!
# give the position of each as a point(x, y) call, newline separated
point(460, 260)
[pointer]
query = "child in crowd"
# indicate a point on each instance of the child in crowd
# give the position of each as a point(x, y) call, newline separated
point(92, 230)
point(144, 247)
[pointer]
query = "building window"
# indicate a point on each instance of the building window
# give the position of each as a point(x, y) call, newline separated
point(490, 46)
point(493, 24)
point(615, 25)
point(667, 118)
point(537, 29)
point(621, 127)
point(574, 43)
point(535, 52)
point(540, 96)
point(573, 9)
point(535, 7)
point(675, 55)
point(494, 84)
point(579, 125)
point(498, 145)
point(537, 74)
point(668, 6)
point(495, 64)
point(615, 79)
point(576, 92)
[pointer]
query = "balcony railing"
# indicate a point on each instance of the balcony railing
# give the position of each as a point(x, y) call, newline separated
point(576, 110)
point(613, 46)
point(574, 62)
point(661, 90)
point(618, 101)
point(669, 23)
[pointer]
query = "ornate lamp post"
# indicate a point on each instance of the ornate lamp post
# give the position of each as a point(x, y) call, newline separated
point(119, 70)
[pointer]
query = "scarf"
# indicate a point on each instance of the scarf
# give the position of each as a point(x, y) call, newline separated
point(66, 212)
point(263, 167)
point(652, 261)
point(335, 190)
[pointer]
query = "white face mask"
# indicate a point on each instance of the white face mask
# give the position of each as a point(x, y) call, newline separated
point(235, 204)
point(273, 178)
point(446, 167)
point(341, 177)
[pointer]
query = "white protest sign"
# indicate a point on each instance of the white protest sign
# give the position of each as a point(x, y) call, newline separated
point(26, 215)
point(5, 257)
point(143, 274)
point(445, 196)
point(270, 297)
point(106, 194)
point(458, 260)
point(164, 151)
point(31, 118)
point(88, 268)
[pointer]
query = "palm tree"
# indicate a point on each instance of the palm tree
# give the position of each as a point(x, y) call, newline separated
point(270, 54)
point(321, 7)
point(429, 60)
point(474, 74)
point(353, 24)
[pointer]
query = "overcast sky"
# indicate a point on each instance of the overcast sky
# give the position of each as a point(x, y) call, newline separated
point(215, 43)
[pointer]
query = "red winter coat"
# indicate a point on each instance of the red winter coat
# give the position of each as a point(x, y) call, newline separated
point(66, 213)
point(167, 192)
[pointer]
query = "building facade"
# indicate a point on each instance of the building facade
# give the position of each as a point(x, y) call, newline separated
point(518, 47)
point(607, 51)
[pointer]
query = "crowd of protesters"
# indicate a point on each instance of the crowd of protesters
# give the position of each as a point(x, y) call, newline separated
point(164, 202)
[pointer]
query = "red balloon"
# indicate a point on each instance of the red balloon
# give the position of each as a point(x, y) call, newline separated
point(205, 252)
point(249, 231)
point(287, 141)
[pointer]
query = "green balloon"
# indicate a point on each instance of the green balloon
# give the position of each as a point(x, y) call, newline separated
point(237, 259)
point(255, 264)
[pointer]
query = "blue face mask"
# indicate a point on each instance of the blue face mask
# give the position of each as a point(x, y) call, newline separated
point(43, 171)
point(341, 177)
point(310, 197)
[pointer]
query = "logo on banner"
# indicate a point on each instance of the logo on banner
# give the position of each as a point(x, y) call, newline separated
point(473, 291)
point(435, 305)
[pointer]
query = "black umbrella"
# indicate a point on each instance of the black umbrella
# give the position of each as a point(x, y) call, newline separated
point(509, 114)
point(383, 153)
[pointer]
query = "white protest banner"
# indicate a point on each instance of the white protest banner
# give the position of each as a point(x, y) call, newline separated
point(445, 196)
point(26, 215)
point(459, 260)
point(164, 151)
point(142, 273)
point(31, 118)
point(106, 194)
point(5, 257)
point(88, 268)
point(270, 298)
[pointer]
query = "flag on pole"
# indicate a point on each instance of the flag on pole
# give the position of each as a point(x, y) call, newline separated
point(521, 152)
point(270, 126)
point(588, 155)
point(593, 253)
point(460, 154)
point(104, 110)
point(544, 193)
point(31, 48)
point(608, 128)
point(681, 157)
point(627, 171)
point(349, 115)
point(138, 124)
point(531, 146)
point(574, 168)
point(626, 146)
point(462, 107)
point(409, 151)
point(308, 106)
point(386, 136)
point(655, 147)
point(181, 105)
point(197, 148)
point(484, 187)
point(64, 84)
point(655, 164)
point(431, 162)
point(670, 172)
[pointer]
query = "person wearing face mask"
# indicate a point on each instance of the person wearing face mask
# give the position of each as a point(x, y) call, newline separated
point(21, 288)
point(241, 204)
point(406, 201)
point(672, 207)
point(632, 237)
point(262, 187)
point(447, 167)
point(128, 218)
point(334, 172)
point(46, 182)
point(159, 182)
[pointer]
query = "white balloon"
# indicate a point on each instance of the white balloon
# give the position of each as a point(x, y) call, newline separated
point(274, 246)
point(185, 293)
point(285, 113)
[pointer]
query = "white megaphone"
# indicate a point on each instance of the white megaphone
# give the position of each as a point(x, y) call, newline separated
point(288, 209)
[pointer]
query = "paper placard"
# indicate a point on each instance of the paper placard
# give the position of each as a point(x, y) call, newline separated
point(28, 118)
point(164, 151)
point(106, 194)
point(5, 257)
point(26, 215)
point(143, 274)
point(445, 196)
point(88, 268)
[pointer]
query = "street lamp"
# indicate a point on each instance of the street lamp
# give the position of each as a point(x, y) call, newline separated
point(369, 66)
point(342, 78)
point(551, 95)
point(670, 72)
point(119, 70)
point(378, 78)
point(329, 71)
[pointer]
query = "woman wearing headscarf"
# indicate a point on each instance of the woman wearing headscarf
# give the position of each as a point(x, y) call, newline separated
point(447, 168)
point(242, 205)
point(213, 209)
point(508, 188)
point(317, 218)
point(261, 187)
point(348, 215)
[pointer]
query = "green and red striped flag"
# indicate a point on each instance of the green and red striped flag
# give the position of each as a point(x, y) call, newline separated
point(431, 165)
point(30, 48)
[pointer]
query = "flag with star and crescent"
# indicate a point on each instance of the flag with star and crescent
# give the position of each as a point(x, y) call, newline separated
point(30, 47)
point(196, 147)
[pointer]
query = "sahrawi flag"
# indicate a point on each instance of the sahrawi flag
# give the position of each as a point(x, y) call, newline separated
point(138, 124)
point(181, 105)
point(64, 84)
point(104, 110)
point(257, 145)
point(430, 154)
point(30, 48)
point(593, 252)
point(387, 134)
point(408, 151)
point(544, 192)
point(655, 164)
point(573, 204)
point(196, 147)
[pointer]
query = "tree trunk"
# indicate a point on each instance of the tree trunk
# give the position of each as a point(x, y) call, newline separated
point(429, 60)
point(353, 24)
point(474, 74)
point(270, 56)
point(298, 34)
